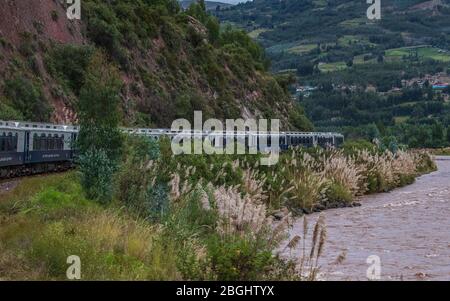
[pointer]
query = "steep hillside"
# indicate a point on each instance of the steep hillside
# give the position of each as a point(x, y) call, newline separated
point(171, 63)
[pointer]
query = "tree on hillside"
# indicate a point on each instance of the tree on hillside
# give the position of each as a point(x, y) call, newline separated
point(100, 140)
point(437, 133)
point(448, 134)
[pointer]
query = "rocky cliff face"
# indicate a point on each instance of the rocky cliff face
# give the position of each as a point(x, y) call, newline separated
point(171, 63)
point(27, 28)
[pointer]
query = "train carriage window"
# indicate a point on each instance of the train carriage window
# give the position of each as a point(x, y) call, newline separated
point(57, 142)
point(55, 139)
point(35, 142)
point(51, 143)
point(15, 139)
point(8, 143)
point(61, 142)
point(2, 143)
point(43, 142)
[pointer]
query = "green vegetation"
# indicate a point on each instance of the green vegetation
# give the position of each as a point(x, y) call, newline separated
point(46, 219)
point(338, 31)
point(171, 62)
point(190, 52)
point(423, 52)
point(100, 139)
point(364, 74)
point(415, 116)
point(27, 99)
point(442, 152)
point(69, 63)
point(188, 217)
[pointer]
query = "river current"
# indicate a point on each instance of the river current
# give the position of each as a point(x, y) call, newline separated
point(408, 229)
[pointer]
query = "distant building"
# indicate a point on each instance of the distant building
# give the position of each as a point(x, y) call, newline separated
point(440, 86)
point(305, 90)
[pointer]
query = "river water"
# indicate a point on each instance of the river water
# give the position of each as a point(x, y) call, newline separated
point(408, 229)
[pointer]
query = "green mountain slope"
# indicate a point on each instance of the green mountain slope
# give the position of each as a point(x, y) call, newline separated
point(364, 77)
point(171, 62)
point(338, 30)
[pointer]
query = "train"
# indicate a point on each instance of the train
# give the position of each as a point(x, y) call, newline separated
point(28, 148)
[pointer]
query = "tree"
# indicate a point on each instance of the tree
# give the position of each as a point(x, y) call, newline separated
point(100, 139)
point(305, 68)
point(448, 134)
point(372, 131)
point(437, 133)
point(380, 58)
point(213, 26)
point(350, 62)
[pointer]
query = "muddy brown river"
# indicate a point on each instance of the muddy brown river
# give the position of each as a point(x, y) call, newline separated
point(408, 229)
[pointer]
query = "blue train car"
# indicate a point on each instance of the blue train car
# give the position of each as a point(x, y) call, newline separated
point(28, 148)
point(12, 151)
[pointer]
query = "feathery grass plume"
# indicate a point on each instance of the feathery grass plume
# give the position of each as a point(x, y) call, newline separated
point(175, 187)
point(404, 163)
point(386, 170)
point(204, 198)
point(253, 184)
point(344, 171)
point(307, 266)
point(315, 236)
point(279, 233)
point(322, 239)
point(307, 189)
point(341, 258)
point(239, 214)
point(293, 243)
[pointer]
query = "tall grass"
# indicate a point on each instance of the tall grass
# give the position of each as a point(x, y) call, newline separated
point(190, 217)
point(45, 228)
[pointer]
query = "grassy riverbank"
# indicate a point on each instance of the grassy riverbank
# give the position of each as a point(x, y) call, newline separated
point(187, 217)
point(441, 151)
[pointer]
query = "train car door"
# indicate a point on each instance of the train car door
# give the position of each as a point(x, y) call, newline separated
point(26, 147)
point(72, 146)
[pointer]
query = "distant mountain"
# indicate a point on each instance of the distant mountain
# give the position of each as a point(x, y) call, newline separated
point(359, 76)
point(210, 5)
point(336, 31)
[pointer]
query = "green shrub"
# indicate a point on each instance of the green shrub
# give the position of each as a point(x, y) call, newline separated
point(239, 258)
point(406, 180)
point(54, 15)
point(69, 63)
point(299, 120)
point(353, 146)
point(27, 98)
point(27, 46)
point(97, 170)
point(98, 110)
point(9, 113)
point(337, 193)
point(376, 183)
